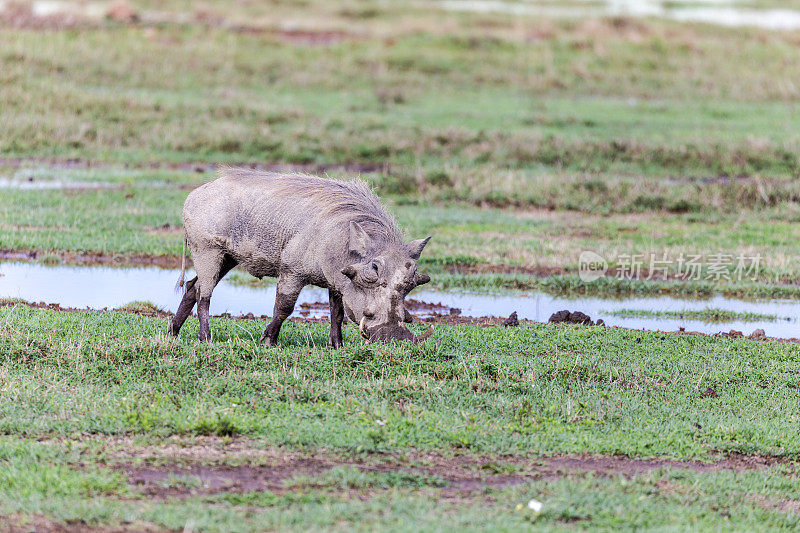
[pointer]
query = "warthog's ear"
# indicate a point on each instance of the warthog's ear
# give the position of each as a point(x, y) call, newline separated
point(415, 247)
point(422, 279)
point(359, 240)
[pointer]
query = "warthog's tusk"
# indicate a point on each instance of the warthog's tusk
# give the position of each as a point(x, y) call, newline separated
point(361, 329)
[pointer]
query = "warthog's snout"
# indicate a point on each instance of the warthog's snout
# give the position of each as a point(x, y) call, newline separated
point(391, 332)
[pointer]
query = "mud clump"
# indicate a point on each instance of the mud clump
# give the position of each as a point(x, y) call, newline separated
point(574, 317)
point(512, 321)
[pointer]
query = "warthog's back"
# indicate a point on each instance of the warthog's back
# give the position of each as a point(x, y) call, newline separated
point(265, 220)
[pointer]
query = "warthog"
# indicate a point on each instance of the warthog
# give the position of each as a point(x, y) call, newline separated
point(303, 230)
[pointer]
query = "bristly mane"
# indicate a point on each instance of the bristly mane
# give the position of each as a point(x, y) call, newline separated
point(343, 200)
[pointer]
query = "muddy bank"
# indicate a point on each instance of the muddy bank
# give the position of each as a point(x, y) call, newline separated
point(92, 258)
point(155, 312)
point(448, 319)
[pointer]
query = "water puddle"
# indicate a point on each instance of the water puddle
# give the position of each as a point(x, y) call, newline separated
point(74, 175)
point(107, 287)
point(722, 12)
point(43, 185)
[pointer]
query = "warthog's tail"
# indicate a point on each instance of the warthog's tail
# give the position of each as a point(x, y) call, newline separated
point(181, 285)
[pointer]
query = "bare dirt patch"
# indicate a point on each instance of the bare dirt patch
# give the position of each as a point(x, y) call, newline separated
point(39, 524)
point(314, 37)
point(459, 474)
point(211, 465)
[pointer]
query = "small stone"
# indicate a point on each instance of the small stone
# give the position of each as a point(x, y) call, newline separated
point(535, 506)
point(511, 321)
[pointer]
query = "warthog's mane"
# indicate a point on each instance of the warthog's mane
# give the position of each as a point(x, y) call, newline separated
point(333, 200)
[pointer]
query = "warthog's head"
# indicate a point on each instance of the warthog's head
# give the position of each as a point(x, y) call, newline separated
point(378, 283)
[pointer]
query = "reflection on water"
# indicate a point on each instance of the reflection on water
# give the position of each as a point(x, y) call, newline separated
point(723, 12)
point(104, 287)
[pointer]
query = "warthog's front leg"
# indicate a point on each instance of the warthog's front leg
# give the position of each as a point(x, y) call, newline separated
point(337, 317)
point(286, 295)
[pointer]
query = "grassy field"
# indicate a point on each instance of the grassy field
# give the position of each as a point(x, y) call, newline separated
point(391, 433)
point(518, 143)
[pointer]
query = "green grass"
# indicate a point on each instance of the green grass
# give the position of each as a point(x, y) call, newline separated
point(540, 389)
point(708, 314)
point(536, 389)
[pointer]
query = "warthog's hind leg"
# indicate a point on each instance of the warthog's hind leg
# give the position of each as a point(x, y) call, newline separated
point(185, 308)
point(208, 276)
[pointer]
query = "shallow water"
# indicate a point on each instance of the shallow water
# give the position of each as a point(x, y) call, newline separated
point(43, 185)
point(722, 12)
point(101, 287)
